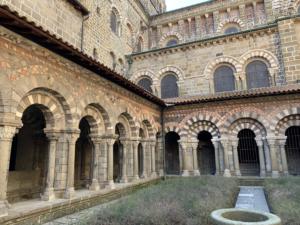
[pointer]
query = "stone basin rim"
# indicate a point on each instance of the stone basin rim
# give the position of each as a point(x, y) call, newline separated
point(217, 217)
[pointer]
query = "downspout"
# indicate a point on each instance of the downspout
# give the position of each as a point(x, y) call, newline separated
point(84, 18)
point(162, 120)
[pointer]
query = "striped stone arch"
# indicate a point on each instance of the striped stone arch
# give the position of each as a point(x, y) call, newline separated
point(285, 119)
point(56, 114)
point(259, 53)
point(133, 125)
point(95, 119)
point(168, 35)
point(148, 122)
point(173, 127)
point(235, 20)
point(211, 66)
point(204, 125)
point(171, 69)
point(144, 73)
point(247, 123)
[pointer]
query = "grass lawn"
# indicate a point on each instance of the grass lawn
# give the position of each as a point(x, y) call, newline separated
point(284, 198)
point(176, 201)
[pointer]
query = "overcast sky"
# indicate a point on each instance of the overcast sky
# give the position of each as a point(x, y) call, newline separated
point(175, 4)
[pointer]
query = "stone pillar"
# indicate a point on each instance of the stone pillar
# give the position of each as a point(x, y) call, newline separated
point(225, 143)
point(181, 26)
point(267, 156)
point(135, 160)
point(52, 136)
point(6, 136)
point(185, 156)
point(282, 142)
point(274, 160)
point(194, 146)
point(144, 174)
point(95, 186)
point(262, 164)
point(159, 34)
point(73, 136)
point(124, 178)
point(153, 166)
point(234, 146)
point(216, 18)
point(242, 11)
point(216, 143)
point(110, 161)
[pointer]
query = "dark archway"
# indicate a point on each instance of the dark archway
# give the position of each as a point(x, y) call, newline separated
point(206, 154)
point(118, 153)
point(140, 160)
point(248, 153)
point(83, 156)
point(292, 149)
point(29, 157)
point(172, 153)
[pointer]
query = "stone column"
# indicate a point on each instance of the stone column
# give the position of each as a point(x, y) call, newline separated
point(153, 167)
point(234, 146)
point(135, 160)
point(6, 136)
point(124, 178)
point(185, 156)
point(73, 136)
point(110, 161)
point(282, 142)
point(262, 164)
point(194, 146)
point(95, 186)
point(216, 143)
point(52, 136)
point(274, 160)
point(144, 174)
point(225, 143)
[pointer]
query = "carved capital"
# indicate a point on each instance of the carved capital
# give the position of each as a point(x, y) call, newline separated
point(7, 132)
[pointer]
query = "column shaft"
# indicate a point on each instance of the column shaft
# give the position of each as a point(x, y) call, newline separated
point(110, 163)
point(96, 152)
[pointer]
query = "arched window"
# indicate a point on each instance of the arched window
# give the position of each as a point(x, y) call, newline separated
point(146, 84)
point(140, 45)
point(224, 79)
point(257, 75)
point(169, 88)
point(171, 42)
point(231, 30)
point(115, 23)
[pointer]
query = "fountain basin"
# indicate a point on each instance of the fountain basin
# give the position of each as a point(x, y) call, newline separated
point(243, 217)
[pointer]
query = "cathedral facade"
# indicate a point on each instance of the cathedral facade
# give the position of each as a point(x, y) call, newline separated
point(96, 95)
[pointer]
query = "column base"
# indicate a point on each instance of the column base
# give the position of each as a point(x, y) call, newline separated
point(124, 180)
point(69, 193)
point(110, 185)
point(48, 195)
point(4, 206)
point(227, 173)
point(95, 185)
point(275, 174)
point(153, 174)
point(238, 173)
point(161, 173)
point(263, 174)
point(144, 176)
point(196, 173)
point(135, 178)
point(285, 173)
point(185, 173)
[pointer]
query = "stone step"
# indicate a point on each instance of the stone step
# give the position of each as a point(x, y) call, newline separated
point(251, 181)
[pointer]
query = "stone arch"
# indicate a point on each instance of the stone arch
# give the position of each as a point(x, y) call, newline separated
point(284, 119)
point(168, 35)
point(57, 114)
point(235, 20)
point(129, 123)
point(173, 127)
point(247, 123)
point(211, 66)
point(259, 53)
point(149, 123)
point(145, 73)
point(171, 69)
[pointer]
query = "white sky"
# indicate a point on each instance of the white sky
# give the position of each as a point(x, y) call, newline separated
point(175, 4)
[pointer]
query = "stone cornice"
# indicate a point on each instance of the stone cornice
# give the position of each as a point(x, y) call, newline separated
point(206, 42)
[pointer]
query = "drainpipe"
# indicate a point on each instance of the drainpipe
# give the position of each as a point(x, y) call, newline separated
point(84, 18)
point(163, 141)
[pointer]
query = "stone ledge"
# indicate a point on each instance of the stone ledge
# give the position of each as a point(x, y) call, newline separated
point(61, 207)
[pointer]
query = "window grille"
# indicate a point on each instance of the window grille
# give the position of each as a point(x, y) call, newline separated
point(224, 79)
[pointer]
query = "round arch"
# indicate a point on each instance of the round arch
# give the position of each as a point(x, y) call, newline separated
point(167, 37)
point(224, 24)
point(248, 123)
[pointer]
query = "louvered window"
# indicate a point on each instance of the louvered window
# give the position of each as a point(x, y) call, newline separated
point(169, 88)
point(224, 79)
point(257, 75)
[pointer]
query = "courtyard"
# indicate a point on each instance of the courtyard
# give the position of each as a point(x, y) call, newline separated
point(187, 201)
